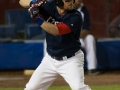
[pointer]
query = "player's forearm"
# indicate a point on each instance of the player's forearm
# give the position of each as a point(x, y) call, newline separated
point(25, 3)
point(50, 28)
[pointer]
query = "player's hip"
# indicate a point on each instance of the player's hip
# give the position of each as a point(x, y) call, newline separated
point(79, 55)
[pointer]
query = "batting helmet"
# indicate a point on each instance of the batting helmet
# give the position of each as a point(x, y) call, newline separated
point(60, 3)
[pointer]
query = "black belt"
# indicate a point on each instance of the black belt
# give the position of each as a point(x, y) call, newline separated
point(62, 58)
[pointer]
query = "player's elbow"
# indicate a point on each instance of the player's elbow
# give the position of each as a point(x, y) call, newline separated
point(56, 33)
point(24, 4)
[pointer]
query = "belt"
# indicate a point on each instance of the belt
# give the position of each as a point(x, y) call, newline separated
point(65, 57)
point(62, 58)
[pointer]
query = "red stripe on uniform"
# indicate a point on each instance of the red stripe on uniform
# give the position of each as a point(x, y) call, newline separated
point(63, 29)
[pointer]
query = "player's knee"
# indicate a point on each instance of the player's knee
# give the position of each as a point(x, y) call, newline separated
point(90, 37)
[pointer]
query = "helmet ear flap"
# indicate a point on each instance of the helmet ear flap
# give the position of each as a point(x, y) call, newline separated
point(59, 3)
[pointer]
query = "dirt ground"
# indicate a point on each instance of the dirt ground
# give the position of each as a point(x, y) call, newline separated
point(18, 79)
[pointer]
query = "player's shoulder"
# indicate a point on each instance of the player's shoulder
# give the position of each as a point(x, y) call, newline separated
point(74, 16)
point(74, 12)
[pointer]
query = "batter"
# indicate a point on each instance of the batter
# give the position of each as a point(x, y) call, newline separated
point(64, 57)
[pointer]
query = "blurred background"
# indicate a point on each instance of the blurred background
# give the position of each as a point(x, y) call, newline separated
point(102, 12)
point(21, 48)
point(20, 33)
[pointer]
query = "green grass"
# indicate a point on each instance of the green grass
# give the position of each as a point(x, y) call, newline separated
point(98, 87)
point(106, 87)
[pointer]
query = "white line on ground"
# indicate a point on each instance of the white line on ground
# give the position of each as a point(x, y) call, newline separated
point(10, 78)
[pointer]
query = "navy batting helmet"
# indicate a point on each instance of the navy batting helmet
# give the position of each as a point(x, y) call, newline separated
point(60, 3)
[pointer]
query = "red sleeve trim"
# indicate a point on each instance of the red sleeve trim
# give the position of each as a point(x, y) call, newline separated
point(63, 29)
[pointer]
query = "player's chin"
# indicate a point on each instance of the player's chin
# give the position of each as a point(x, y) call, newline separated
point(70, 8)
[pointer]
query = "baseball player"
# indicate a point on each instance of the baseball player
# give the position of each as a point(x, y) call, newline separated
point(114, 28)
point(64, 57)
point(87, 40)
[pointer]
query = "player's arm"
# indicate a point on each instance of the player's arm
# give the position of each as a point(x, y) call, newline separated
point(58, 29)
point(28, 3)
point(55, 30)
point(50, 28)
point(25, 3)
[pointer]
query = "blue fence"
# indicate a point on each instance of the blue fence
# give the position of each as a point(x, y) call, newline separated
point(28, 54)
point(21, 55)
point(108, 53)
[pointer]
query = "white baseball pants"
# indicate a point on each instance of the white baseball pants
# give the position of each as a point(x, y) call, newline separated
point(70, 69)
point(90, 47)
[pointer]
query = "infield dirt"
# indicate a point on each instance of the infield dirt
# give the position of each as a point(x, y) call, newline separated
point(18, 79)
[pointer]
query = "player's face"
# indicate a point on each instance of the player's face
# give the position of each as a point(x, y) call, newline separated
point(68, 4)
point(77, 3)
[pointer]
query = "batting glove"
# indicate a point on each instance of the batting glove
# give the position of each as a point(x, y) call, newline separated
point(38, 2)
point(34, 13)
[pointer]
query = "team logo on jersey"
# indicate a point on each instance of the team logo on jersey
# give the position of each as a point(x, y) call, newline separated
point(71, 24)
point(52, 20)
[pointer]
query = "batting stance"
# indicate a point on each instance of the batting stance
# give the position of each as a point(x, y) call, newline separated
point(64, 57)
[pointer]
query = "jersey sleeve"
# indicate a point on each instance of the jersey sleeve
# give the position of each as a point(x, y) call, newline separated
point(49, 9)
point(63, 29)
point(74, 22)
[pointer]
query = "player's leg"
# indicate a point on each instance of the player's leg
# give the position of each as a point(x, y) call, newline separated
point(90, 48)
point(43, 76)
point(72, 71)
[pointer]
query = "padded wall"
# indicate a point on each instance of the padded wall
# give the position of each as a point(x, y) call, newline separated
point(108, 54)
point(20, 55)
point(28, 54)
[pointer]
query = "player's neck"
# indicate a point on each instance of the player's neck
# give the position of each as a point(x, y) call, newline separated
point(61, 11)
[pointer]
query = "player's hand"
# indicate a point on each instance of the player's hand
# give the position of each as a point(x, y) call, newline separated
point(39, 2)
point(34, 11)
